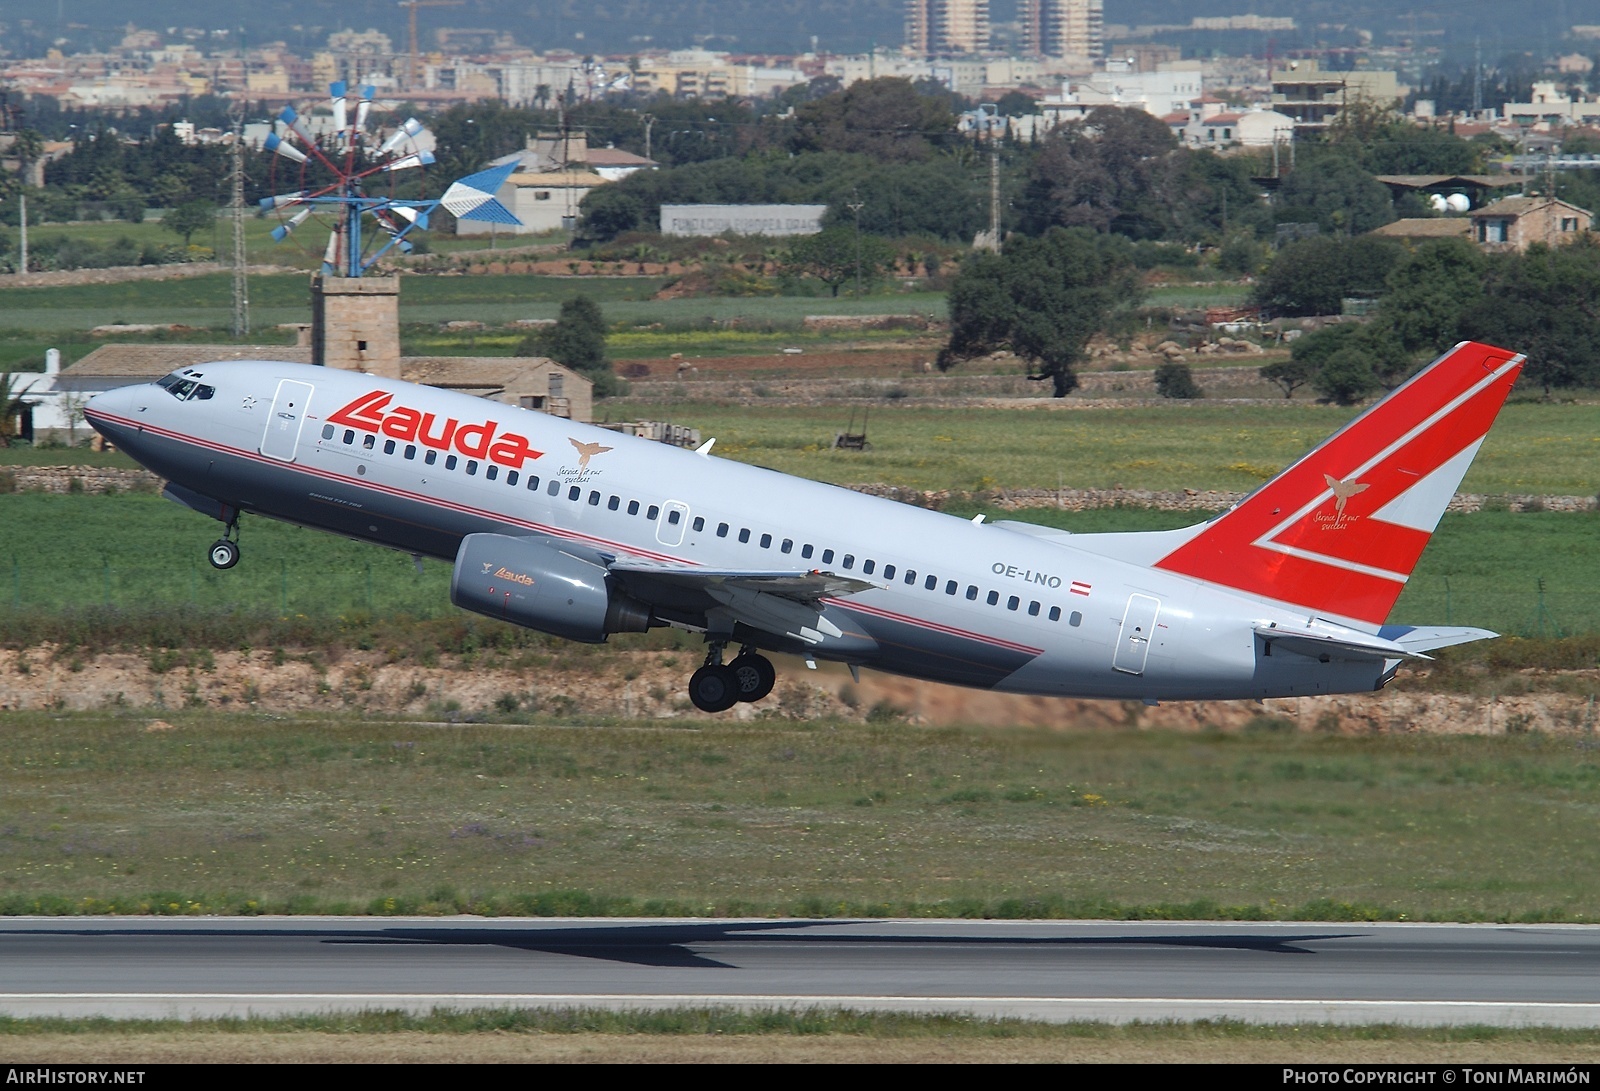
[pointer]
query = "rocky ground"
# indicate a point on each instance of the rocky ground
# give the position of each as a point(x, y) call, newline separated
point(649, 686)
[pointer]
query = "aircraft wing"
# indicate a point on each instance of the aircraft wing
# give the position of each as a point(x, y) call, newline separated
point(797, 585)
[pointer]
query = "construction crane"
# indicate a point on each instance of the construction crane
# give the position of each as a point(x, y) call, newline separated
point(414, 76)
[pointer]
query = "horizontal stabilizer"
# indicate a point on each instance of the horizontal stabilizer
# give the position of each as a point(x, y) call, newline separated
point(1345, 644)
point(1428, 638)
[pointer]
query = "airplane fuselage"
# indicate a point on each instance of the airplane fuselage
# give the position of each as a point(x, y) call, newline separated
point(419, 469)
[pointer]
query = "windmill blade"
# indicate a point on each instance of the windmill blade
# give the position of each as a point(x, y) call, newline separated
point(292, 120)
point(337, 104)
point(473, 197)
point(331, 255)
point(281, 199)
point(364, 107)
point(419, 159)
point(407, 131)
point(283, 231)
point(279, 146)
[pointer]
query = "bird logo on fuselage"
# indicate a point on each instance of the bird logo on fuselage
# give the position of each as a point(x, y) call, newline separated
point(586, 451)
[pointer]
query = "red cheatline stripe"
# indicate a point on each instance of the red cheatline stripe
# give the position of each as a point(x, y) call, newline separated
point(422, 498)
point(878, 611)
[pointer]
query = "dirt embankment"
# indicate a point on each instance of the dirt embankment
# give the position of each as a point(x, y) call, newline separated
point(649, 686)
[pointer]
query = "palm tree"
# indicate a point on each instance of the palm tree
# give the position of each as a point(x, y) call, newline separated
point(11, 405)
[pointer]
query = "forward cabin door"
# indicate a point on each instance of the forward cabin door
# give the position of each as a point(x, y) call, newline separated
point(283, 424)
point(1138, 626)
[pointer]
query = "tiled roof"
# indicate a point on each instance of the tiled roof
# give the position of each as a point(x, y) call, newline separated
point(1430, 227)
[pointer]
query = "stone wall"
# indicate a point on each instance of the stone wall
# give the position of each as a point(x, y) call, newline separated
point(89, 478)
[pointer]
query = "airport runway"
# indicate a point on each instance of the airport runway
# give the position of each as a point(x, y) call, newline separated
point(1116, 971)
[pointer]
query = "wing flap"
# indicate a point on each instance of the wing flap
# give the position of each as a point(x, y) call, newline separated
point(1345, 644)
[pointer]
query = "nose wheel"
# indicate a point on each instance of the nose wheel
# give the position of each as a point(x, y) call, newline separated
point(223, 554)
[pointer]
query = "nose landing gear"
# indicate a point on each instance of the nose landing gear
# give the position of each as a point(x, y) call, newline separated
point(224, 552)
point(716, 687)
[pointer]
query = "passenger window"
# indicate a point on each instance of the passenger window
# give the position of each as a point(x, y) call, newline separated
point(327, 431)
point(1013, 602)
point(369, 441)
point(431, 457)
point(911, 578)
point(574, 493)
point(722, 530)
point(633, 507)
point(555, 488)
point(614, 503)
point(411, 451)
point(1055, 613)
point(766, 541)
point(699, 524)
point(888, 571)
point(388, 446)
point(827, 556)
point(511, 478)
point(972, 592)
point(949, 588)
point(492, 471)
point(805, 551)
point(933, 582)
point(848, 561)
point(994, 598)
point(1033, 609)
point(651, 512)
point(675, 516)
point(868, 566)
point(472, 467)
point(450, 462)
point(594, 499)
point(744, 535)
point(787, 546)
point(1075, 619)
point(349, 437)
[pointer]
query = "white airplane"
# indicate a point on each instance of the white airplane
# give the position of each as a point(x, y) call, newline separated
point(580, 532)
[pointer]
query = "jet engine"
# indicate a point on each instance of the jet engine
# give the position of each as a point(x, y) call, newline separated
point(535, 583)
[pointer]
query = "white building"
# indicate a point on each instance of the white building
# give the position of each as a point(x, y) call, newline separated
point(1168, 90)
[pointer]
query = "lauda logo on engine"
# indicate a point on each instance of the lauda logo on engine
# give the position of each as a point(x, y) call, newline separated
point(371, 413)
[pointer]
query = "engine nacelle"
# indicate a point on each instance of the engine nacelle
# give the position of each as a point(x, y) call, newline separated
point(534, 583)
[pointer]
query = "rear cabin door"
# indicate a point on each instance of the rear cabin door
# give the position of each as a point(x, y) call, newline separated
point(1138, 626)
point(283, 424)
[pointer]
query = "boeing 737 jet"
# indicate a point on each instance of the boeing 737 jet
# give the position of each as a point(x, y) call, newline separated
point(580, 532)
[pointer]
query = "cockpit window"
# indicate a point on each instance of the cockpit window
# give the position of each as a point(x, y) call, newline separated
point(186, 389)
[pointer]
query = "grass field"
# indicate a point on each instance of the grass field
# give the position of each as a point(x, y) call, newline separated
point(701, 1035)
point(245, 814)
point(1535, 447)
point(140, 551)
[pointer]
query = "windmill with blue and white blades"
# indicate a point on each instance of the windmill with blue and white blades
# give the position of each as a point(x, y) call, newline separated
point(340, 171)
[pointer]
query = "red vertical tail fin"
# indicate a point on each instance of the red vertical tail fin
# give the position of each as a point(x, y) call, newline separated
point(1339, 532)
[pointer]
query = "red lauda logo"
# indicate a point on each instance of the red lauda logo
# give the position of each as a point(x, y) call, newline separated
point(371, 413)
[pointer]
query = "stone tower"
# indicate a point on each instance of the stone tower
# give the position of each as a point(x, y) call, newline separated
point(355, 324)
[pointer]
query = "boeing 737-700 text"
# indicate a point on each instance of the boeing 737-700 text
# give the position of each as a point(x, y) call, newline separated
point(580, 532)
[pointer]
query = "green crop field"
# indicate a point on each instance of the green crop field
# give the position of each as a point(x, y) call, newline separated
point(140, 552)
point(1535, 447)
point(244, 814)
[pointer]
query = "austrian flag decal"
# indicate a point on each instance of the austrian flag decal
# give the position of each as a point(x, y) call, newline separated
point(372, 413)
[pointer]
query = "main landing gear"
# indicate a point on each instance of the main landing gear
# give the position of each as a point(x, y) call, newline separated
point(224, 552)
point(717, 687)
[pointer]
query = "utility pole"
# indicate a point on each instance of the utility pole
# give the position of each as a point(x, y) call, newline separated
point(994, 191)
point(22, 199)
point(855, 206)
point(241, 289)
point(649, 123)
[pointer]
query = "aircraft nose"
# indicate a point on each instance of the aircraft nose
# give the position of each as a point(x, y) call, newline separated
point(114, 413)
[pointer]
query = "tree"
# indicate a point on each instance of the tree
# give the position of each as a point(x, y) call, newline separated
point(1336, 192)
point(577, 340)
point(1545, 303)
point(1175, 380)
point(12, 393)
point(189, 217)
point(1314, 275)
point(1100, 173)
point(1044, 298)
point(1351, 360)
point(1429, 290)
point(1290, 374)
point(835, 255)
point(886, 118)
